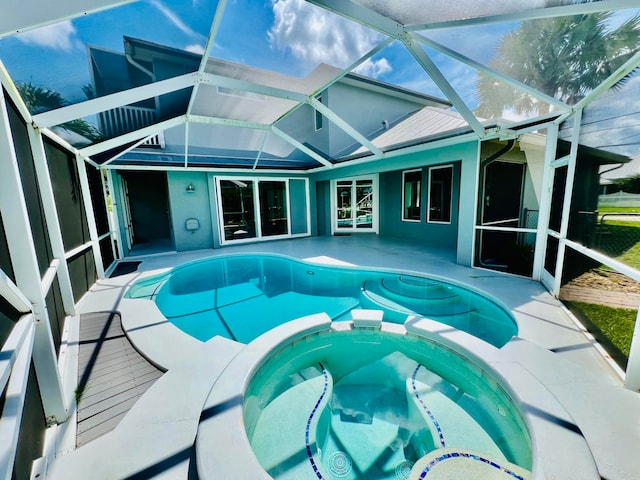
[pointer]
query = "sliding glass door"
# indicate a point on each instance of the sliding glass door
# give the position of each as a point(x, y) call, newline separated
point(253, 208)
point(273, 208)
point(238, 209)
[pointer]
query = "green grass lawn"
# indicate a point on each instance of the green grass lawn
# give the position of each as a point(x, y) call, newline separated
point(612, 327)
point(622, 242)
point(619, 209)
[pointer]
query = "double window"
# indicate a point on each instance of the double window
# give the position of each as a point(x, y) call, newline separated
point(439, 194)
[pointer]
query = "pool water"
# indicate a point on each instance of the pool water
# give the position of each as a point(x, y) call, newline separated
point(362, 404)
point(241, 297)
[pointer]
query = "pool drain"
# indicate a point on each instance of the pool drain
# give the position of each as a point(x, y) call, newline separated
point(339, 464)
point(403, 469)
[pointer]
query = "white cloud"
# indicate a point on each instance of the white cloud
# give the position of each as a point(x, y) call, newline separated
point(174, 19)
point(315, 36)
point(374, 68)
point(61, 36)
point(195, 48)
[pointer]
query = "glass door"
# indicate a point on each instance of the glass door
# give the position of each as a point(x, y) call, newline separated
point(355, 205)
point(364, 204)
point(238, 209)
point(273, 208)
point(344, 213)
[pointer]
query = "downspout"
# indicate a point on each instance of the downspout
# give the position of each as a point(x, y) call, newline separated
point(483, 165)
point(143, 69)
point(140, 67)
point(492, 158)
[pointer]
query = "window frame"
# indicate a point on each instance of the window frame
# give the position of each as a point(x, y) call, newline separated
point(430, 189)
point(419, 198)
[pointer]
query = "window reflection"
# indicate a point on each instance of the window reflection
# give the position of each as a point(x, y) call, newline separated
point(238, 213)
point(273, 208)
point(440, 190)
point(411, 192)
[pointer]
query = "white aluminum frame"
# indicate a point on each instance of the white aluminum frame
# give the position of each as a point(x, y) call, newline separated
point(430, 169)
point(28, 280)
point(14, 374)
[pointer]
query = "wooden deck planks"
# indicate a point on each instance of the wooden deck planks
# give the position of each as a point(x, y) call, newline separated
point(112, 375)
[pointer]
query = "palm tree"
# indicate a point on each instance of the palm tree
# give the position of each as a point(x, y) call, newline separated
point(564, 57)
point(40, 99)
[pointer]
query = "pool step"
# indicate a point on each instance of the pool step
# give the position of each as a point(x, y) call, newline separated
point(399, 307)
point(451, 426)
point(465, 463)
point(418, 288)
point(279, 435)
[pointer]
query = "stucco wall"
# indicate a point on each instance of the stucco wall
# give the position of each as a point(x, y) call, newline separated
point(190, 205)
point(431, 234)
point(372, 109)
point(323, 211)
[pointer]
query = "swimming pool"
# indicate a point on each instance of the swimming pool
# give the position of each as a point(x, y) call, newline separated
point(243, 296)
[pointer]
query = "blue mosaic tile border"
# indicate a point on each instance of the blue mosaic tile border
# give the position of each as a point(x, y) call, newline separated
point(424, 406)
point(472, 456)
point(308, 428)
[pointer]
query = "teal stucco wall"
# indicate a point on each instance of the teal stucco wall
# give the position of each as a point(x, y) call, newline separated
point(187, 205)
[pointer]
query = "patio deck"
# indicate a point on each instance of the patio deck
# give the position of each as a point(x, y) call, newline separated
point(112, 375)
point(543, 322)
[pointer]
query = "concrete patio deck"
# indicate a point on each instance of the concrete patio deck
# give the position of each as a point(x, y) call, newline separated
point(156, 436)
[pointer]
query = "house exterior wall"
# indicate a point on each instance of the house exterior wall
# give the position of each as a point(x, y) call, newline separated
point(431, 234)
point(174, 103)
point(367, 118)
point(202, 204)
point(298, 203)
point(187, 205)
point(459, 233)
point(301, 126)
point(322, 212)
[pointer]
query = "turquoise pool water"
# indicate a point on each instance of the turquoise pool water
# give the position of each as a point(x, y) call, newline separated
point(364, 404)
point(241, 297)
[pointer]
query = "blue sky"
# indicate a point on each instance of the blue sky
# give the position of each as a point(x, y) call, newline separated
point(288, 36)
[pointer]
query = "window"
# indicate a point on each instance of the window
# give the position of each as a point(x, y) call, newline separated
point(411, 193)
point(440, 194)
point(318, 117)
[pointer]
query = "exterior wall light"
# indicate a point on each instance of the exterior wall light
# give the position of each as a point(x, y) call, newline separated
point(191, 188)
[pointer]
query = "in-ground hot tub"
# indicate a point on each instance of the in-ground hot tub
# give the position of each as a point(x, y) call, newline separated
point(363, 404)
point(327, 401)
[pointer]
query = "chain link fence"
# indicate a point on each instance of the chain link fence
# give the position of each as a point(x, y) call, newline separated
point(617, 235)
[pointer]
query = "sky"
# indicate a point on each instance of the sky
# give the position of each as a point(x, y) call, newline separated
point(288, 36)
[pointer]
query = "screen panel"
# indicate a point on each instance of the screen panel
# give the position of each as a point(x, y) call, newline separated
point(30, 187)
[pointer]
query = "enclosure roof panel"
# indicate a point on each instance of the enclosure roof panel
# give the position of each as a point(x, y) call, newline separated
point(118, 71)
